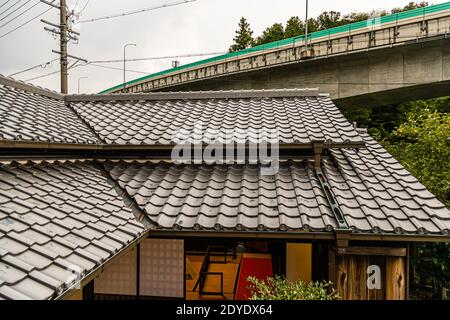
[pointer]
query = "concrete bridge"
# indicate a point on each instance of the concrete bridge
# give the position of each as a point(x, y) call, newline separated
point(385, 60)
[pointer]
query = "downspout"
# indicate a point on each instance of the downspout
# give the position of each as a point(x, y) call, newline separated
point(343, 231)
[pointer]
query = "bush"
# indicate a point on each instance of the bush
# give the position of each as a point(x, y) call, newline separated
point(278, 288)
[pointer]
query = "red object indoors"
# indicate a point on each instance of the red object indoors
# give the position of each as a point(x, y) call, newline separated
point(260, 268)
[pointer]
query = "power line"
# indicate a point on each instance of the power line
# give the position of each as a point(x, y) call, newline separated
point(1, 5)
point(15, 10)
point(26, 22)
point(20, 14)
point(10, 7)
point(42, 65)
point(81, 11)
point(54, 72)
point(113, 68)
point(43, 76)
point(162, 57)
point(123, 14)
point(73, 66)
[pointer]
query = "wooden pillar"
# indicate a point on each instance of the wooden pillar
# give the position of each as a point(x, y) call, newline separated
point(395, 278)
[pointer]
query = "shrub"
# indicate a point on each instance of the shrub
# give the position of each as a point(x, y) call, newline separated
point(278, 288)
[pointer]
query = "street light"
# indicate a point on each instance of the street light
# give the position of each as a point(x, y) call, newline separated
point(79, 83)
point(124, 47)
point(306, 26)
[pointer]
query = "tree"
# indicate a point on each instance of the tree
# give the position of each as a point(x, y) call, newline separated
point(410, 6)
point(294, 27)
point(313, 25)
point(243, 38)
point(422, 145)
point(273, 33)
point(330, 19)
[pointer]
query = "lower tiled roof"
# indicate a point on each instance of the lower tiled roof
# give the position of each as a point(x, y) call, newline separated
point(55, 218)
point(373, 191)
point(227, 196)
point(376, 194)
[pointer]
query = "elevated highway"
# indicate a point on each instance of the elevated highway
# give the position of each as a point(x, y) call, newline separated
point(383, 60)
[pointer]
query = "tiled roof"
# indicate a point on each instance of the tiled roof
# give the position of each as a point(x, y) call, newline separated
point(59, 216)
point(374, 192)
point(300, 119)
point(55, 218)
point(226, 196)
point(32, 116)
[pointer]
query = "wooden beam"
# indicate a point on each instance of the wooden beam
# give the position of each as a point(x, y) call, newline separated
point(372, 251)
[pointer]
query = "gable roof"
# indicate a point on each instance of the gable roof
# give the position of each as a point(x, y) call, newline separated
point(58, 223)
point(298, 117)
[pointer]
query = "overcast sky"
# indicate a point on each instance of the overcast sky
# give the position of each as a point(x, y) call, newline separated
point(197, 27)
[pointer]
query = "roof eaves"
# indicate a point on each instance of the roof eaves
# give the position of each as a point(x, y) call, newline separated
point(99, 269)
point(149, 147)
point(353, 236)
point(10, 82)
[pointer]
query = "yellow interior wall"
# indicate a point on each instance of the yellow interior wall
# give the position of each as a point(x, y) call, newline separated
point(298, 261)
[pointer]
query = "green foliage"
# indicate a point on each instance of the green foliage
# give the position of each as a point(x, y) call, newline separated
point(243, 38)
point(422, 145)
point(330, 19)
point(273, 33)
point(278, 288)
point(294, 27)
point(410, 6)
point(313, 25)
point(432, 266)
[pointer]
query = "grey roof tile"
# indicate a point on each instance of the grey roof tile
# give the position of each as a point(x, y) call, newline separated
point(29, 116)
point(299, 120)
point(224, 197)
point(376, 193)
point(55, 227)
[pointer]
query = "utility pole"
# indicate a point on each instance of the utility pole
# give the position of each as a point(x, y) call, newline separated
point(63, 45)
point(306, 26)
point(65, 34)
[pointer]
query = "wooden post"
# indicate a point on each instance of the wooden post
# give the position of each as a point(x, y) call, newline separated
point(342, 277)
point(395, 278)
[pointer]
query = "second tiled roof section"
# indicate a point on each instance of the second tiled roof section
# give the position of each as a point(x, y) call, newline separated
point(233, 197)
point(298, 117)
